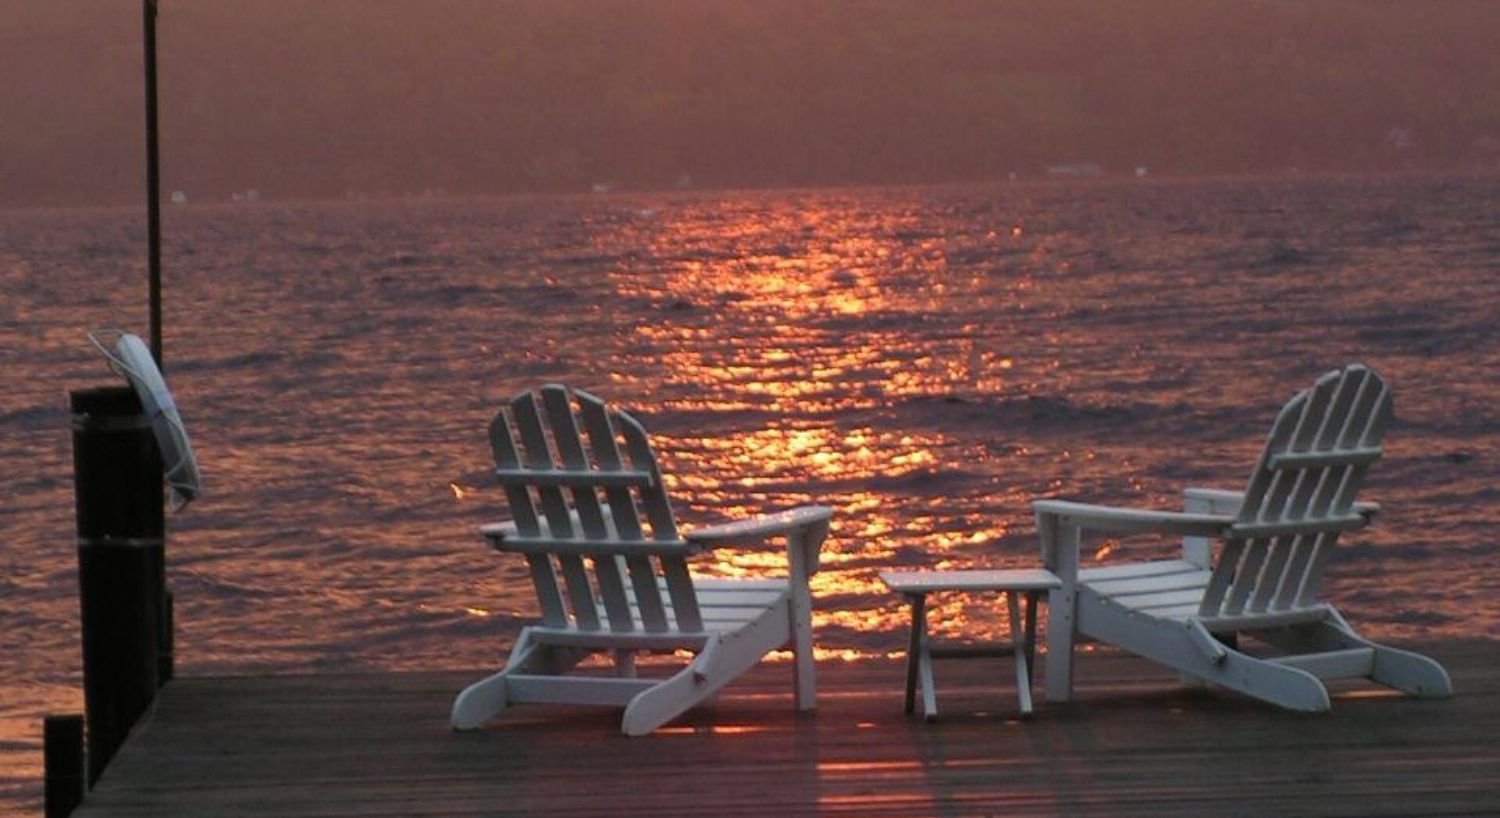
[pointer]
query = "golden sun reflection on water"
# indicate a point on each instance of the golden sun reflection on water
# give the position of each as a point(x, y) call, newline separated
point(778, 452)
point(757, 350)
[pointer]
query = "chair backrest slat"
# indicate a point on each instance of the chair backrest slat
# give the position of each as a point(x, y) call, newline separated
point(524, 515)
point(1363, 431)
point(623, 511)
point(612, 590)
point(1225, 568)
point(1243, 581)
point(654, 496)
point(1286, 498)
point(1272, 572)
point(548, 595)
point(580, 593)
point(648, 597)
point(508, 456)
point(1301, 495)
point(680, 590)
point(570, 450)
point(658, 510)
point(569, 480)
point(586, 504)
point(538, 454)
point(1362, 434)
point(1303, 583)
point(607, 454)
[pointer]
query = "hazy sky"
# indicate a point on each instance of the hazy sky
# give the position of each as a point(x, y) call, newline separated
point(331, 97)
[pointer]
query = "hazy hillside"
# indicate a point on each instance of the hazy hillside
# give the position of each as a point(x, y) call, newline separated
point(324, 97)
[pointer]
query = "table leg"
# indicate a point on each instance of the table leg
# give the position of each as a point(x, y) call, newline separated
point(1018, 643)
point(929, 690)
point(1032, 598)
point(916, 648)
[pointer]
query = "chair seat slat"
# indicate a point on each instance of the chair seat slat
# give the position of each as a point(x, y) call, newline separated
point(1196, 578)
point(1132, 570)
point(1160, 599)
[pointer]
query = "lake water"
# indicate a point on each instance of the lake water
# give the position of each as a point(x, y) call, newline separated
point(924, 360)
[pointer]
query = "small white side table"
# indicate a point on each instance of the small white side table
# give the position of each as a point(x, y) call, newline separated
point(1012, 584)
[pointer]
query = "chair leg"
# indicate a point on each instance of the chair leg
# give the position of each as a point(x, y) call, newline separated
point(799, 602)
point(1060, 635)
point(486, 698)
point(1060, 543)
point(726, 656)
point(671, 698)
point(1174, 645)
point(1284, 686)
point(1411, 673)
point(479, 702)
point(1288, 687)
point(1403, 670)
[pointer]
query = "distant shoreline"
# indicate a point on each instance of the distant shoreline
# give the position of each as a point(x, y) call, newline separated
point(1105, 178)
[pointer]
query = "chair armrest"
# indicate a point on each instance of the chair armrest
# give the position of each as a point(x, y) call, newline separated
point(1198, 500)
point(1060, 524)
point(759, 528)
point(498, 531)
point(805, 527)
point(1129, 520)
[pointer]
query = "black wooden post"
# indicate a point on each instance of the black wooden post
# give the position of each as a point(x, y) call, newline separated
point(166, 630)
point(119, 499)
point(62, 762)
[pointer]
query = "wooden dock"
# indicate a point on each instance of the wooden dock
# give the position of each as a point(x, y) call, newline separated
point(1135, 743)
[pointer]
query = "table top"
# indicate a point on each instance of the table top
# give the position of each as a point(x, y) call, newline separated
point(1014, 579)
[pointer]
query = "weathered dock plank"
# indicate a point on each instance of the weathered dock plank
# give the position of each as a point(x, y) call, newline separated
point(1134, 744)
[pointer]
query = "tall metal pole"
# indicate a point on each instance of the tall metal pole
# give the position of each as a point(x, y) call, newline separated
point(153, 182)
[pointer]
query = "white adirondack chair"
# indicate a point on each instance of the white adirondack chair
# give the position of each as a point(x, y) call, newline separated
point(1263, 578)
point(611, 574)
